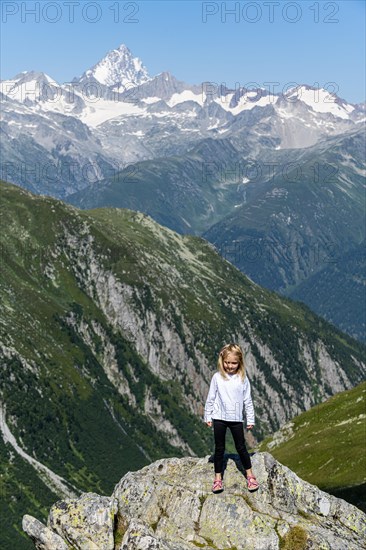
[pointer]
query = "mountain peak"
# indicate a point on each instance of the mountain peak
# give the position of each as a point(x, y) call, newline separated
point(118, 68)
point(320, 100)
point(122, 48)
point(30, 76)
point(27, 85)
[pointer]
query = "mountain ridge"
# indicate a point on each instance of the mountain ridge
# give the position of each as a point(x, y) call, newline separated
point(138, 117)
point(339, 283)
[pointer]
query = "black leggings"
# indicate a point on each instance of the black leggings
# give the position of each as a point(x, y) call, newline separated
point(237, 431)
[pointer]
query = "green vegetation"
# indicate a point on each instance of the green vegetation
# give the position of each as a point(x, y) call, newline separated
point(326, 445)
point(295, 539)
point(120, 528)
point(21, 492)
point(172, 189)
point(337, 292)
point(304, 234)
point(109, 323)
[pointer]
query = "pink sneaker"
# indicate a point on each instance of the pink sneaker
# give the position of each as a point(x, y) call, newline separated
point(253, 484)
point(217, 486)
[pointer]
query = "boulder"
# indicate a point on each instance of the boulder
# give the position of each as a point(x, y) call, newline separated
point(43, 537)
point(87, 522)
point(169, 505)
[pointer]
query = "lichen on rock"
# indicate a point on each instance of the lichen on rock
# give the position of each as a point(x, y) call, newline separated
point(168, 505)
point(87, 523)
point(43, 537)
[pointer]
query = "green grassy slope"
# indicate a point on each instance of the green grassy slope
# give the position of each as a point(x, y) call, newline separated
point(326, 445)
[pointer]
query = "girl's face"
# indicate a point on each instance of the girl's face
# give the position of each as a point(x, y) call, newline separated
point(231, 363)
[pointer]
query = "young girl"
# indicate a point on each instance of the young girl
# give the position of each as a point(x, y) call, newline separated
point(229, 391)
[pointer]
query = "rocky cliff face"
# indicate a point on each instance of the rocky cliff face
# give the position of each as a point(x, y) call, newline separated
point(110, 329)
point(169, 505)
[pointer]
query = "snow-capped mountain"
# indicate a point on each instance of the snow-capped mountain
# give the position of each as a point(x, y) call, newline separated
point(117, 70)
point(119, 114)
point(28, 86)
point(189, 145)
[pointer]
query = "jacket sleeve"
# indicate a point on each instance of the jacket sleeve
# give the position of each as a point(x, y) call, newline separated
point(248, 403)
point(209, 407)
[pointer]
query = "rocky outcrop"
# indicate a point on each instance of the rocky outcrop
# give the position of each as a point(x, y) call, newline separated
point(43, 537)
point(169, 505)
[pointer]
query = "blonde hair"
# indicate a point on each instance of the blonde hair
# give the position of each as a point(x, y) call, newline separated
point(224, 352)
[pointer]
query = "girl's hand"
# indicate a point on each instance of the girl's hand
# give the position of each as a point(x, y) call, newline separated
point(209, 424)
point(250, 426)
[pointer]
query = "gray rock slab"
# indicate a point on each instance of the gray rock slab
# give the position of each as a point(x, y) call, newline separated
point(87, 523)
point(43, 537)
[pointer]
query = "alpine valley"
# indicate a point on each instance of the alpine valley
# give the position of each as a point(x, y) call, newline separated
point(110, 326)
point(274, 179)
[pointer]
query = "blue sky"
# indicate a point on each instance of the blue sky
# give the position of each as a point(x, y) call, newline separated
point(319, 43)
